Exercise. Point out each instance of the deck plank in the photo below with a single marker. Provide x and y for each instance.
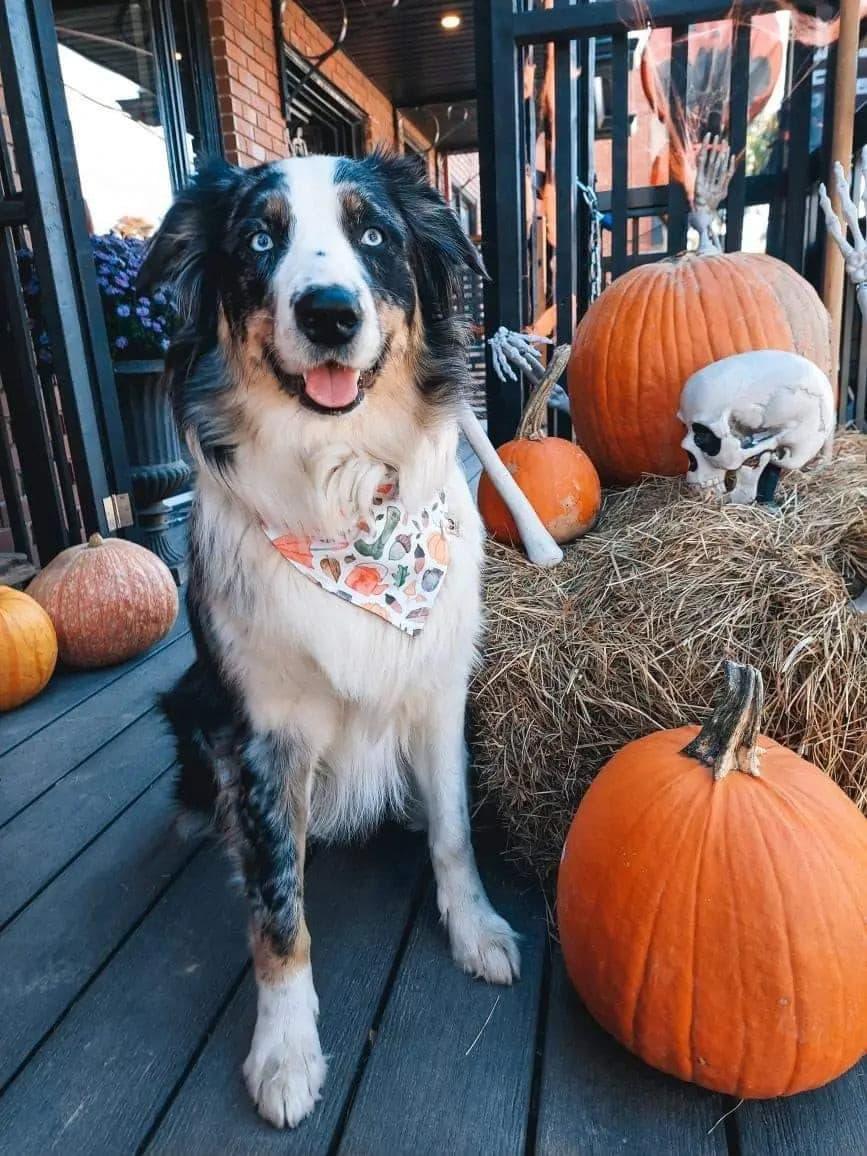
(420, 1090)
(358, 901)
(68, 932)
(35, 765)
(99, 1080)
(595, 1098)
(831, 1121)
(69, 688)
(43, 838)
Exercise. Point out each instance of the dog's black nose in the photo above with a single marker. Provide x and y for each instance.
(328, 315)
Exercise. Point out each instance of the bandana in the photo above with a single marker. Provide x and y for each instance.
(393, 564)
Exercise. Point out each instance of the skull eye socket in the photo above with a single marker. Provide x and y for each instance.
(693, 462)
(706, 440)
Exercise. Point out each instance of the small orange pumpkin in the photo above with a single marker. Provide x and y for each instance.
(109, 600)
(556, 476)
(714, 921)
(28, 648)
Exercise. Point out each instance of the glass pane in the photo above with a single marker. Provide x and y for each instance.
(109, 76)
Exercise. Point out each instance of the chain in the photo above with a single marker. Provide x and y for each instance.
(589, 195)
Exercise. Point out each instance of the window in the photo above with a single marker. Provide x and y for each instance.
(135, 77)
(321, 118)
(467, 212)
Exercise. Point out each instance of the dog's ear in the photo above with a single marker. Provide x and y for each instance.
(183, 250)
(441, 248)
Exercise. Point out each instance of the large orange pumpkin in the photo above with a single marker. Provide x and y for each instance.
(712, 904)
(108, 599)
(657, 324)
(556, 476)
(28, 648)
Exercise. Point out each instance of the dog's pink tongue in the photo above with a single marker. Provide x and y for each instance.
(332, 385)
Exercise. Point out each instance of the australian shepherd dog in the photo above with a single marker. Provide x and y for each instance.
(335, 551)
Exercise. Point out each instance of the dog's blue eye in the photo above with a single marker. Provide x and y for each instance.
(261, 242)
(371, 237)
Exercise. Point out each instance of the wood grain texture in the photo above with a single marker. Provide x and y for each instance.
(66, 934)
(40, 840)
(421, 1091)
(831, 1121)
(69, 688)
(53, 752)
(358, 901)
(99, 1080)
(595, 1098)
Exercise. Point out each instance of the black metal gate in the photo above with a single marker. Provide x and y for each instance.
(592, 44)
(65, 425)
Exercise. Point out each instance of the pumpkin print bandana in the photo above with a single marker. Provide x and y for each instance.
(393, 564)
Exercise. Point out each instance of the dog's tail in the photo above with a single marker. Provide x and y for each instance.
(197, 713)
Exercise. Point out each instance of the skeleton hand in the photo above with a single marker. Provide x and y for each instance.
(715, 167)
(509, 349)
(854, 254)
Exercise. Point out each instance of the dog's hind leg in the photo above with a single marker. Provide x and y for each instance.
(482, 942)
(200, 717)
(285, 1069)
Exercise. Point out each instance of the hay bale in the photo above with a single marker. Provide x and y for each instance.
(628, 633)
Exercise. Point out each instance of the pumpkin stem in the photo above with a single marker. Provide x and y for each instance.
(95, 540)
(535, 418)
(728, 741)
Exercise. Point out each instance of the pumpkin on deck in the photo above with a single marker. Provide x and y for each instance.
(556, 476)
(715, 921)
(28, 648)
(109, 600)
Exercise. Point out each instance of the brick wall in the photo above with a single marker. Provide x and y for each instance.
(248, 89)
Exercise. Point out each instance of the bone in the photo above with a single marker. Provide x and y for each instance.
(540, 547)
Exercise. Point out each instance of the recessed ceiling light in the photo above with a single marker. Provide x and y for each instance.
(451, 21)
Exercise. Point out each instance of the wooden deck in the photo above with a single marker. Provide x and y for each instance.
(127, 1003)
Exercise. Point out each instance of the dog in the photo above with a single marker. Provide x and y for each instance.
(335, 554)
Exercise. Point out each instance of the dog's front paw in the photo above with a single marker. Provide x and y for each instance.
(484, 944)
(285, 1081)
(285, 1069)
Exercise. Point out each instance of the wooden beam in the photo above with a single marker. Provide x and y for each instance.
(845, 78)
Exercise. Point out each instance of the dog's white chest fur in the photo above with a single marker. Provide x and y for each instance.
(309, 663)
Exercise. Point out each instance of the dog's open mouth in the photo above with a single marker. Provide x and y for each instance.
(329, 388)
(332, 387)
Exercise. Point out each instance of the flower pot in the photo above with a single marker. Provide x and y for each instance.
(160, 475)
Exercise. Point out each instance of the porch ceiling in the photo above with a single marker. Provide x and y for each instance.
(412, 59)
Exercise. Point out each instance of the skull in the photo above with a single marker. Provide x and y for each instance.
(766, 410)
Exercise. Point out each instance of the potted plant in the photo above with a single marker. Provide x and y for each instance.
(139, 330)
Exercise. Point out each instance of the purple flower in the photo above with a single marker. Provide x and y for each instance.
(144, 301)
(142, 310)
(123, 311)
(146, 323)
(121, 342)
(164, 344)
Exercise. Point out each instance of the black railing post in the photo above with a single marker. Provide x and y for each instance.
(501, 195)
(565, 176)
(619, 149)
(739, 102)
